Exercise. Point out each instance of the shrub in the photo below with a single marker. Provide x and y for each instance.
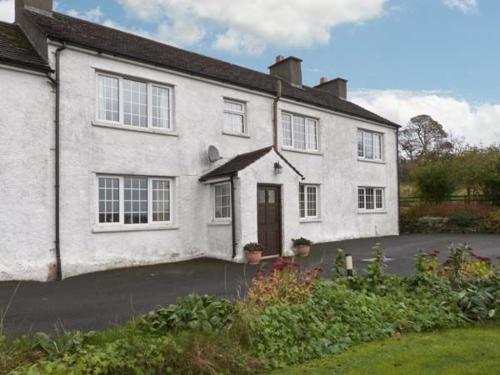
(301, 241)
(464, 219)
(434, 182)
(194, 312)
(253, 247)
(285, 283)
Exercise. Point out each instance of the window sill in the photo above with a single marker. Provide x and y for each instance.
(219, 223)
(132, 228)
(240, 135)
(135, 128)
(317, 153)
(371, 161)
(307, 221)
(371, 212)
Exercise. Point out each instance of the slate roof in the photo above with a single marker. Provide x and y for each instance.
(240, 162)
(85, 34)
(15, 49)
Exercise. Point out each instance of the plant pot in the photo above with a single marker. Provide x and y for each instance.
(253, 257)
(303, 250)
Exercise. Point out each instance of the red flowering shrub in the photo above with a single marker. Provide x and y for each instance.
(286, 283)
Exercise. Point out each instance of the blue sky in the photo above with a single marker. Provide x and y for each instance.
(401, 57)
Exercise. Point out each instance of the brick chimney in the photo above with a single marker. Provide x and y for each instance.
(337, 87)
(38, 39)
(288, 69)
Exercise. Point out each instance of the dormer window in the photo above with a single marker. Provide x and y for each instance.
(133, 102)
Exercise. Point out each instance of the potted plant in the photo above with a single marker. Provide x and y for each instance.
(302, 246)
(253, 252)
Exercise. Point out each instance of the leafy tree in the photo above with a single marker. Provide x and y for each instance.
(434, 182)
(492, 183)
(423, 137)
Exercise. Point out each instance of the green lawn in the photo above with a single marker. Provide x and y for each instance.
(463, 351)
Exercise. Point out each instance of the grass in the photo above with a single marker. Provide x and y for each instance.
(473, 350)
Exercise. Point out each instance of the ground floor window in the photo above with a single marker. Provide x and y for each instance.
(134, 200)
(309, 201)
(222, 201)
(371, 199)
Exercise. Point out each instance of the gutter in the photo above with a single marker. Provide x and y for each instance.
(275, 113)
(233, 218)
(57, 83)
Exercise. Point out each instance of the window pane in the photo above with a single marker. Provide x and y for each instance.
(312, 134)
(361, 198)
(161, 200)
(369, 198)
(287, 130)
(222, 201)
(377, 146)
(108, 98)
(135, 103)
(109, 198)
(160, 107)
(311, 201)
(271, 196)
(234, 123)
(379, 200)
(368, 142)
(135, 200)
(360, 144)
(302, 204)
(299, 132)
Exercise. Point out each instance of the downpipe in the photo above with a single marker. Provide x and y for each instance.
(57, 83)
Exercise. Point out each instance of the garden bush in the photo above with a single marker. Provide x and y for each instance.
(434, 182)
(290, 316)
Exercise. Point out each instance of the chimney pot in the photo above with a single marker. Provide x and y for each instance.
(288, 69)
(323, 80)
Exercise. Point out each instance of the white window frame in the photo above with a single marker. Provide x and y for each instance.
(375, 209)
(306, 131)
(121, 189)
(363, 133)
(306, 216)
(221, 219)
(242, 113)
(150, 86)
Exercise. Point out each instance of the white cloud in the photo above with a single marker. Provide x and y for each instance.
(93, 15)
(249, 26)
(476, 123)
(462, 5)
(7, 10)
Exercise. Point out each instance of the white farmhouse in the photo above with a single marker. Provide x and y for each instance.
(105, 161)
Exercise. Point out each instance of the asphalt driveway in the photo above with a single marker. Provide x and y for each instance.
(100, 300)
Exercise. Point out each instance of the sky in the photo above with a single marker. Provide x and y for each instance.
(402, 58)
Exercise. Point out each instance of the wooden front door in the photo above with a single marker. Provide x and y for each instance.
(269, 218)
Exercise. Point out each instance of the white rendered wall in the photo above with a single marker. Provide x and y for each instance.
(26, 176)
(88, 149)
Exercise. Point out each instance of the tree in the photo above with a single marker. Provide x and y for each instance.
(434, 182)
(423, 137)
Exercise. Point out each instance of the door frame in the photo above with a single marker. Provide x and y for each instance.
(280, 190)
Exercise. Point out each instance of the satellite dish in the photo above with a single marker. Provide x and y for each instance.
(213, 154)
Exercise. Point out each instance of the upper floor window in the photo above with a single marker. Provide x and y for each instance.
(222, 201)
(234, 117)
(370, 145)
(134, 200)
(309, 201)
(300, 132)
(133, 102)
(371, 199)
